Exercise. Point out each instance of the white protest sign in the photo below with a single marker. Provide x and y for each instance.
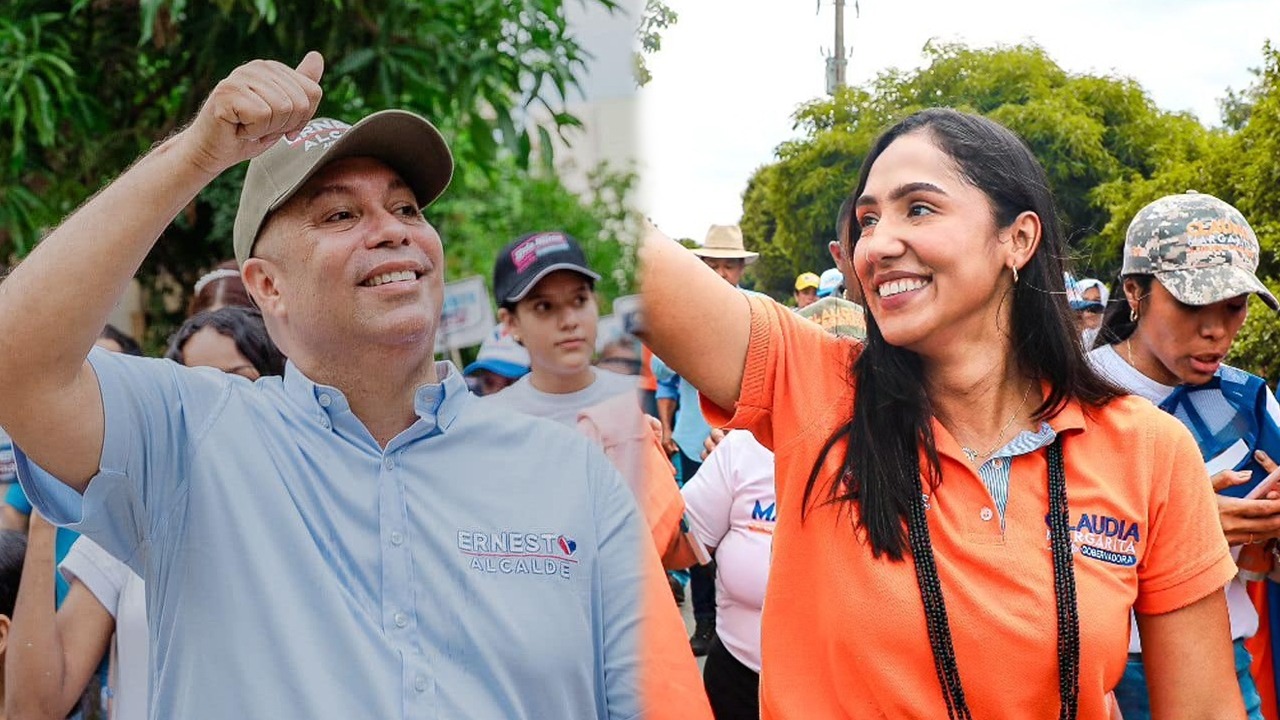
(467, 316)
(627, 310)
(623, 321)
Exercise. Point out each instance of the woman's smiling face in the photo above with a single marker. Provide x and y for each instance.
(926, 248)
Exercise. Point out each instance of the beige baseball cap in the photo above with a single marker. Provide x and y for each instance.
(406, 142)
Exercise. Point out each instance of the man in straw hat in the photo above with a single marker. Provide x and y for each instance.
(392, 520)
(724, 252)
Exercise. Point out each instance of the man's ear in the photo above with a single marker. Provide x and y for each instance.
(263, 279)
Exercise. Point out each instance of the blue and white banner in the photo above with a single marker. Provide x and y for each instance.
(467, 316)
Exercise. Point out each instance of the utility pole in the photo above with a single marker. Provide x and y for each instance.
(837, 62)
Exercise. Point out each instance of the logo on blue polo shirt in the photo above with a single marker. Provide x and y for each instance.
(510, 552)
(567, 545)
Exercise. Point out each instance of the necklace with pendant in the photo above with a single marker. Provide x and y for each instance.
(974, 455)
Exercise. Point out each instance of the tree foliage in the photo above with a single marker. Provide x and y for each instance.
(87, 86)
(657, 17)
(1087, 131)
(1107, 149)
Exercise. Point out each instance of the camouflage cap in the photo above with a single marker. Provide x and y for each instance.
(1200, 249)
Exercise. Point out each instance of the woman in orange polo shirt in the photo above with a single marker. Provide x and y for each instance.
(967, 513)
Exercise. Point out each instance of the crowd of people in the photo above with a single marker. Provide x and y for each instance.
(974, 489)
(946, 479)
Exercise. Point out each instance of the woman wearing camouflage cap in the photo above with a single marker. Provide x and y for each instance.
(1189, 269)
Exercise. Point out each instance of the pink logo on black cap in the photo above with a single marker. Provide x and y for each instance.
(319, 133)
(535, 247)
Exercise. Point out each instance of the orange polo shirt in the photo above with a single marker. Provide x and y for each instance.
(843, 633)
(647, 380)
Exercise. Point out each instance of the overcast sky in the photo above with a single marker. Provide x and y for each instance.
(731, 72)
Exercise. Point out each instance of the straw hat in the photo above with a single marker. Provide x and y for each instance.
(725, 241)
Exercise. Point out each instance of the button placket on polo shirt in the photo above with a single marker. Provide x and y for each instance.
(399, 615)
(325, 401)
(963, 497)
(976, 513)
(1005, 461)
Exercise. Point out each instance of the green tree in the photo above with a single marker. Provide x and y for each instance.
(87, 86)
(657, 16)
(1087, 131)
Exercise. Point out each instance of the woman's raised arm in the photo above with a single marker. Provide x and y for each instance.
(696, 322)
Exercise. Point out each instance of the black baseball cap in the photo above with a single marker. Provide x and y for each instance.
(529, 258)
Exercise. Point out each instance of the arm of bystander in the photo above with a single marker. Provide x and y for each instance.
(51, 654)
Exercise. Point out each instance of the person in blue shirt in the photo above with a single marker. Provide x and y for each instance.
(15, 514)
(104, 616)
(360, 537)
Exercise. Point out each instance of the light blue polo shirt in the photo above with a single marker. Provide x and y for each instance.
(691, 428)
(484, 565)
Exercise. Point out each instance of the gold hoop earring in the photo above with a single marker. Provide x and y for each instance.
(1133, 314)
(1014, 268)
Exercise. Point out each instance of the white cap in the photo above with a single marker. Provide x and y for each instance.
(829, 281)
(501, 354)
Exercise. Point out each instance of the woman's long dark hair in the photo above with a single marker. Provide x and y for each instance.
(1118, 322)
(245, 328)
(127, 344)
(881, 475)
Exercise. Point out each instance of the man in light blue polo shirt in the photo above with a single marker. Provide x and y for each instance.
(403, 552)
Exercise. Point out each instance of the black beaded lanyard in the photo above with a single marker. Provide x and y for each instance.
(1064, 587)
